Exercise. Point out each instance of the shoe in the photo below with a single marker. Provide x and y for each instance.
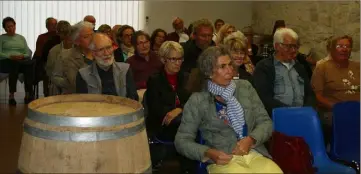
(12, 102)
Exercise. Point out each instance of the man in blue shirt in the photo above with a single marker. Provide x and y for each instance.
(280, 80)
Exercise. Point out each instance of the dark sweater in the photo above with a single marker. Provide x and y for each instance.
(49, 44)
(264, 77)
(118, 55)
(191, 54)
(243, 74)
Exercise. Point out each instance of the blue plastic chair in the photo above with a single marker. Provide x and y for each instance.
(304, 122)
(345, 143)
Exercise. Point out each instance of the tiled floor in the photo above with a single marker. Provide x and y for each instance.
(19, 95)
(11, 119)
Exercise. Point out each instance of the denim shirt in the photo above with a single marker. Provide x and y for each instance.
(288, 85)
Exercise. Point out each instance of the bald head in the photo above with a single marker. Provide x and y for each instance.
(90, 19)
(99, 40)
(102, 50)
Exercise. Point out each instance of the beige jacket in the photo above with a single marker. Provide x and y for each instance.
(72, 61)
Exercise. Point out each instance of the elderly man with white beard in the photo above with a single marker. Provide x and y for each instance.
(104, 75)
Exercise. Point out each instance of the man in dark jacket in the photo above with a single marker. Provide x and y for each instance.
(280, 80)
(202, 32)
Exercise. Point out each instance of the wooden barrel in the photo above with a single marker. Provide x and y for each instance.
(84, 133)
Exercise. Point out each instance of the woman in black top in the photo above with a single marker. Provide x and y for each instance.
(237, 43)
(165, 98)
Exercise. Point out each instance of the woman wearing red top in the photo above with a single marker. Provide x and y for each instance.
(165, 98)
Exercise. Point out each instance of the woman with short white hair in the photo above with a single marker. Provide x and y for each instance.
(79, 56)
(165, 98)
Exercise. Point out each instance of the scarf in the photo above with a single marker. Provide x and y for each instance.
(235, 111)
(127, 50)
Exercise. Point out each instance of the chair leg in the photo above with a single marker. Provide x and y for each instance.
(6, 89)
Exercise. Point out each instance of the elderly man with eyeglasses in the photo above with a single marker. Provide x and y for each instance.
(280, 80)
(104, 75)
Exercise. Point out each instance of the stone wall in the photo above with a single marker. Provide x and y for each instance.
(314, 21)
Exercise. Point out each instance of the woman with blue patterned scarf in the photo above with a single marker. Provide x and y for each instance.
(231, 119)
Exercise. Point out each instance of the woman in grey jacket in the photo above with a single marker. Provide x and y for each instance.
(231, 119)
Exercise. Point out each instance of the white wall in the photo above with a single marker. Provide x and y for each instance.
(161, 13)
(30, 16)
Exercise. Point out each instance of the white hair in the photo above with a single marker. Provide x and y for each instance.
(280, 34)
(78, 27)
(167, 47)
(92, 44)
(235, 35)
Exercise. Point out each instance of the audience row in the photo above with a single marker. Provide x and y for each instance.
(196, 80)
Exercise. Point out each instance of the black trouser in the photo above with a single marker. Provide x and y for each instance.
(14, 67)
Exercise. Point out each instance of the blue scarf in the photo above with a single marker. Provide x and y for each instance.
(235, 111)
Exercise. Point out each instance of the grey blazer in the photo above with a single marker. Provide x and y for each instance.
(199, 114)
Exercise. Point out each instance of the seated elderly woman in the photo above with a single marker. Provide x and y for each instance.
(237, 44)
(77, 57)
(54, 63)
(157, 39)
(167, 89)
(104, 76)
(15, 56)
(337, 79)
(231, 118)
(126, 48)
(166, 96)
(144, 62)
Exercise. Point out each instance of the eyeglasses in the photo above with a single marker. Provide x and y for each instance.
(290, 46)
(343, 46)
(174, 59)
(102, 50)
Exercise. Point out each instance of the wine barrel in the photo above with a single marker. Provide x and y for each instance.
(84, 133)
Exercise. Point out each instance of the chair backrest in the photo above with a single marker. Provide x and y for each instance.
(302, 122)
(346, 126)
